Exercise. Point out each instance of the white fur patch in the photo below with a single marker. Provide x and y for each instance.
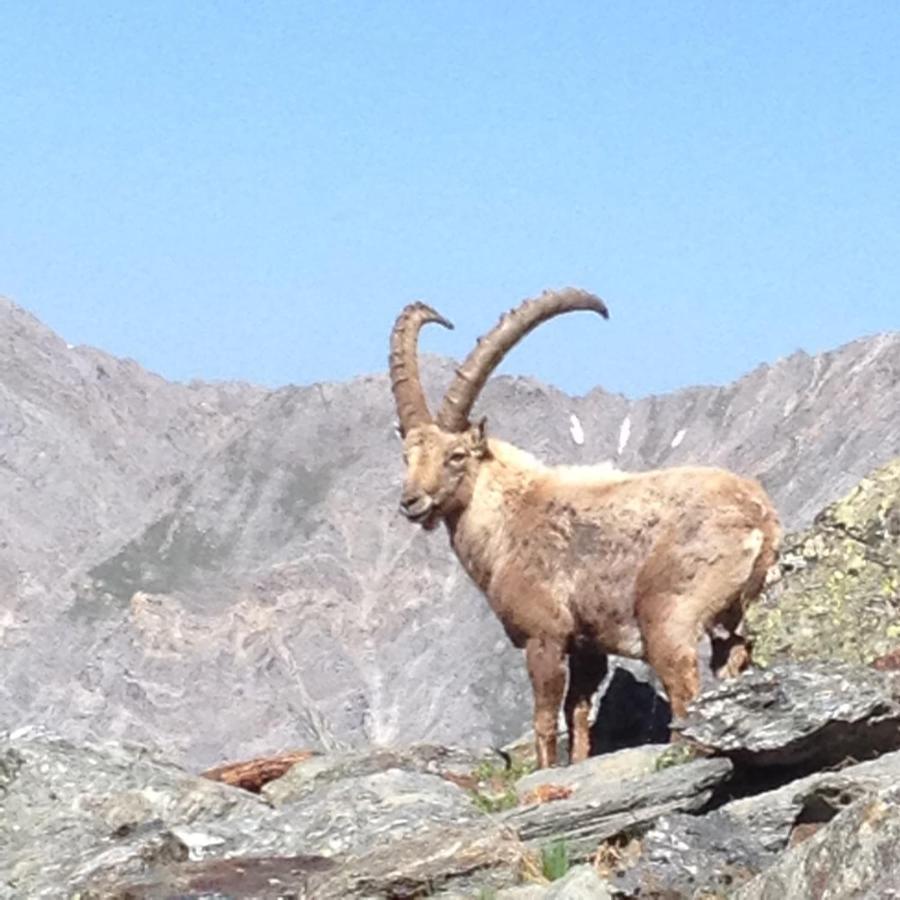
(599, 473)
(753, 542)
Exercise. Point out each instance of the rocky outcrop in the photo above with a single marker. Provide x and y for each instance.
(601, 807)
(714, 853)
(676, 821)
(854, 856)
(840, 594)
(813, 715)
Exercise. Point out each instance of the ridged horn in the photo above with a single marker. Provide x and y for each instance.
(412, 408)
(490, 349)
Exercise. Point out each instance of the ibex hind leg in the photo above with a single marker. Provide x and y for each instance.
(587, 668)
(670, 642)
(731, 650)
(672, 618)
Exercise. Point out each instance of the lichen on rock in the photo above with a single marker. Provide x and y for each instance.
(839, 597)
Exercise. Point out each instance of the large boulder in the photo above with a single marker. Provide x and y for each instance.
(812, 714)
(98, 817)
(711, 854)
(840, 594)
(855, 855)
(601, 807)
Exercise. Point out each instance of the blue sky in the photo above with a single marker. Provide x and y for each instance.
(253, 190)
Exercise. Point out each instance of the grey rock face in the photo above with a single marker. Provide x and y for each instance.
(814, 714)
(693, 856)
(100, 818)
(73, 814)
(92, 447)
(610, 767)
(855, 855)
(581, 883)
(773, 815)
(713, 854)
(361, 813)
(309, 777)
(600, 807)
(218, 570)
(114, 820)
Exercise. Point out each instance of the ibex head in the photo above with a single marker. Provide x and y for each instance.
(443, 455)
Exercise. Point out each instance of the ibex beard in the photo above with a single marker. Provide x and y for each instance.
(579, 562)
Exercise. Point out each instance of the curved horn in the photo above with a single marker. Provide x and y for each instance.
(412, 409)
(490, 349)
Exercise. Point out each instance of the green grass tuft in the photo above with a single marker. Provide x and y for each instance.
(555, 860)
(496, 784)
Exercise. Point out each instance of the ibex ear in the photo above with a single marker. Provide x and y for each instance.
(479, 437)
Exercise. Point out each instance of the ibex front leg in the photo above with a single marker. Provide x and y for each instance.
(547, 670)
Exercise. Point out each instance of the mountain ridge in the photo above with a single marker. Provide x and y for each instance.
(219, 569)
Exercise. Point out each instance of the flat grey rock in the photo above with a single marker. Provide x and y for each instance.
(358, 813)
(312, 775)
(599, 809)
(814, 713)
(580, 883)
(76, 813)
(629, 763)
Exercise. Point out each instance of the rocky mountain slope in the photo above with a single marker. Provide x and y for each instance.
(786, 787)
(784, 783)
(218, 570)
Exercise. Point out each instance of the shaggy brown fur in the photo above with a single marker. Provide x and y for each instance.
(580, 562)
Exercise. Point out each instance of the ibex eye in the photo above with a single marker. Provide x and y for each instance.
(458, 456)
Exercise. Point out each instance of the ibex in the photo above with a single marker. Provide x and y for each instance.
(580, 561)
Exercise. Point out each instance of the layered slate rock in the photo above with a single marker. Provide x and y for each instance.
(359, 813)
(714, 853)
(840, 597)
(115, 820)
(598, 770)
(814, 714)
(73, 813)
(453, 764)
(786, 814)
(451, 859)
(598, 809)
(686, 856)
(855, 855)
(99, 816)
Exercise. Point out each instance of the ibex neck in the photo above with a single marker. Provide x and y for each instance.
(480, 533)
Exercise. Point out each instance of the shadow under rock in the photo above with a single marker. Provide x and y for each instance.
(631, 713)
